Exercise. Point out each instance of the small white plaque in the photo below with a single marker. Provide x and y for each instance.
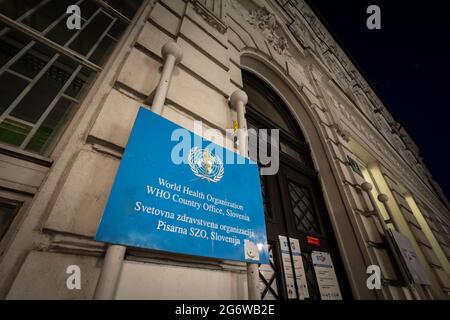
(326, 276)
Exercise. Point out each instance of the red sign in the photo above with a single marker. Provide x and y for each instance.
(313, 241)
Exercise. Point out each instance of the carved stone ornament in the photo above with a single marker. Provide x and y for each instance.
(302, 34)
(364, 103)
(210, 15)
(267, 24)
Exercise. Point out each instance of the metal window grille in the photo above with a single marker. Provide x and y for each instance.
(268, 278)
(45, 68)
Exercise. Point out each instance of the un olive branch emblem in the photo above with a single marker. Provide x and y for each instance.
(204, 165)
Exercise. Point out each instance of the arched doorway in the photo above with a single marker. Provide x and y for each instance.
(293, 204)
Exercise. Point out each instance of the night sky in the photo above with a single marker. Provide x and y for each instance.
(407, 62)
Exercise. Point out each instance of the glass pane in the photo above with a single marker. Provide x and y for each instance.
(88, 8)
(261, 102)
(13, 132)
(284, 147)
(117, 29)
(303, 209)
(7, 212)
(10, 44)
(54, 121)
(265, 197)
(61, 34)
(90, 34)
(45, 101)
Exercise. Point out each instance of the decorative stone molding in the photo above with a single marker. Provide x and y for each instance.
(364, 103)
(383, 126)
(410, 157)
(266, 22)
(211, 12)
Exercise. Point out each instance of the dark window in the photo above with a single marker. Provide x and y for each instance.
(310, 274)
(8, 210)
(265, 197)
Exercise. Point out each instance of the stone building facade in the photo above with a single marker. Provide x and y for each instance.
(57, 167)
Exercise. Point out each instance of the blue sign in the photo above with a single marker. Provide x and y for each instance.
(184, 200)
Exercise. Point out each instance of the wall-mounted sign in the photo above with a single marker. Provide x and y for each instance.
(204, 206)
(299, 278)
(313, 241)
(410, 259)
(326, 276)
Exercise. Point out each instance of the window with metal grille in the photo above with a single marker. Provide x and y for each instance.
(45, 68)
(8, 210)
(303, 208)
(268, 278)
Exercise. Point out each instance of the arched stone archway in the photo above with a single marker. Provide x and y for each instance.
(302, 110)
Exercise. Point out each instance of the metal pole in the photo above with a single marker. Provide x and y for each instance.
(238, 100)
(109, 277)
(172, 55)
(115, 254)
